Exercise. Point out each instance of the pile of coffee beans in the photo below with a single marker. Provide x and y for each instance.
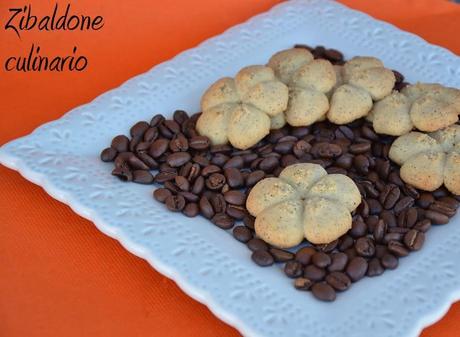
(198, 178)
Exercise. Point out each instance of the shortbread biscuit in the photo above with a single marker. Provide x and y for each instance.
(429, 160)
(242, 110)
(303, 202)
(424, 106)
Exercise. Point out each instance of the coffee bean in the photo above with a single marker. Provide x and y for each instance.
(257, 244)
(182, 183)
(443, 208)
(248, 158)
(440, 192)
(108, 154)
(139, 129)
(269, 164)
(338, 262)
(161, 194)
(206, 208)
(190, 197)
(380, 250)
(302, 283)
(215, 181)
(179, 143)
(397, 248)
(172, 187)
(314, 273)
(411, 191)
(423, 225)
(389, 218)
(425, 200)
(451, 202)
(358, 228)
(323, 292)
(436, 217)
(414, 239)
(142, 177)
(304, 255)
(394, 178)
(120, 143)
(123, 173)
(361, 163)
(374, 206)
(235, 197)
(328, 247)
(157, 120)
(389, 196)
(191, 210)
(254, 177)
(262, 258)
(360, 148)
(321, 260)
(219, 159)
(223, 221)
(380, 230)
(301, 148)
(242, 233)
(236, 212)
(175, 203)
(218, 203)
(403, 204)
(339, 281)
(248, 221)
(158, 147)
(370, 190)
(345, 242)
(293, 269)
(357, 268)
(210, 169)
(389, 261)
(280, 255)
(180, 116)
(326, 150)
(178, 159)
(365, 247)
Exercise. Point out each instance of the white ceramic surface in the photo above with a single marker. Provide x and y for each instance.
(209, 265)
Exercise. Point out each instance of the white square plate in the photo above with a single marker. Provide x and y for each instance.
(63, 157)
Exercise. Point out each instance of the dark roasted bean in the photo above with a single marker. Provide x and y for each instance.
(358, 228)
(182, 183)
(269, 164)
(339, 281)
(235, 197)
(302, 283)
(323, 292)
(158, 147)
(380, 230)
(210, 169)
(389, 261)
(215, 181)
(206, 208)
(108, 154)
(280, 255)
(304, 255)
(191, 210)
(397, 248)
(199, 143)
(314, 273)
(237, 212)
(137, 164)
(120, 143)
(436, 217)
(360, 148)
(175, 203)
(345, 242)
(242, 233)
(248, 221)
(198, 185)
(262, 258)
(223, 221)
(189, 196)
(234, 177)
(162, 177)
(375, 268)
(235, 162)
(389, 196)
(301, 148)
(443, 208)
(218, 203)
(321, 259)
(357, 268)
(326, 150)
(338, 262)
(179, 143)
(403, 204)
(414, 239)
(219, 159)
(423, 225)
(161, 194)
(380, 250)
(293, 269)
(180, 116)
(365, 247)
(157, 120)
(257, 244)
(142, 177)
(361, 163)
(139, 129)
(389, 218)
(254, 177)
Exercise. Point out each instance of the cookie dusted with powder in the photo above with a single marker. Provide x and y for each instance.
(242, 110)
(303, 202)
(364, 80)
(429, 160)
(427, 107)
(308, 81)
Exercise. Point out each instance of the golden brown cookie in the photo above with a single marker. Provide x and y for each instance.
(303, 202)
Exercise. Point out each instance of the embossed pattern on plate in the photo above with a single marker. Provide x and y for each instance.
(205, 261)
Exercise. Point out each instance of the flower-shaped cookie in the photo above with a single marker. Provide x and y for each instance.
(360, 81)
(425, 106)
(308, 80)
(304, 201)
(429, 160)
(243, 109)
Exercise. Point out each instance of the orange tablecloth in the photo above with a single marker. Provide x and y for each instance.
(59, 276)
